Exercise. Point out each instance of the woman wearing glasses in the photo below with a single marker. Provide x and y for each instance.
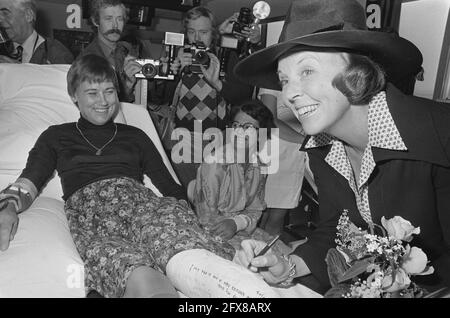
(228, 194)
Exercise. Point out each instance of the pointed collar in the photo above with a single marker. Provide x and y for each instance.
(383, 132)
(423, 125)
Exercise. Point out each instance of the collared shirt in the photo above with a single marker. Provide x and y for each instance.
(29, 46)
(383, 133)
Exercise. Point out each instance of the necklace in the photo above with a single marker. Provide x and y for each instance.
(99, 150)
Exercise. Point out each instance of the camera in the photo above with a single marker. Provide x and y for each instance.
(154, 69)
(248, 18)
(236, 40)
(199, 57)
(245, 19)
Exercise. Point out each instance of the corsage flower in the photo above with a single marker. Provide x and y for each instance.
(366, 264)
(399, 228)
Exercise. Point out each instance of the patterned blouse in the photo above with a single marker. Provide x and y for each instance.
(383, 133)
(230, 191)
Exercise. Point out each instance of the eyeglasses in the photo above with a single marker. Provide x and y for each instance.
(244, 126)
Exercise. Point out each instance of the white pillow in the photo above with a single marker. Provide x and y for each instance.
(42, 260)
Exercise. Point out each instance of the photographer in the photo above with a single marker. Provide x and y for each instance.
(252, 34)
(213, 93)
(234, 90)
(109, 18)
(199, 94)
(201, 35)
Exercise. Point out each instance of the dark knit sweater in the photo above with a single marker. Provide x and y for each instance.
(130, 154)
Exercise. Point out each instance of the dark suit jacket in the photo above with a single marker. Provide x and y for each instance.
(234, 91)
(414, 184)
(52, 52)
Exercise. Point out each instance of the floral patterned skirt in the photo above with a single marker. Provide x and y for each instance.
(119, 225)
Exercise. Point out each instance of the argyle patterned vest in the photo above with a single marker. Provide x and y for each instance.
(198, 100)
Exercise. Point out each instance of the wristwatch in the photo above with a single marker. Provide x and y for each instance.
(15, 194)
(292, 271)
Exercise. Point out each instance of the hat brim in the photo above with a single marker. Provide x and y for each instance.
(398, 57)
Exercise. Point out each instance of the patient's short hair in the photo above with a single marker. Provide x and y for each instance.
(90, 68)
(361, 80)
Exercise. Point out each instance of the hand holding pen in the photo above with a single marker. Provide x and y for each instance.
(269, 264)
(266, 248)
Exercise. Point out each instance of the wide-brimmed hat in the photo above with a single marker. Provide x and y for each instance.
(326, 25)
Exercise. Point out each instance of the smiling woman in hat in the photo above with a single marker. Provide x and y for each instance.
(373, 150)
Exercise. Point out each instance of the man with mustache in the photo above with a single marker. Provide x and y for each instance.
(110, 17)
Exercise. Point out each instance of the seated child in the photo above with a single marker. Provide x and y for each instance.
(229, 196)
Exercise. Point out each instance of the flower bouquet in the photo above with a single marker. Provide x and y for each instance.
(367, 265)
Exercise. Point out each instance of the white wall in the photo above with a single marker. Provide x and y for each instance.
(273, 32)
(423, 22)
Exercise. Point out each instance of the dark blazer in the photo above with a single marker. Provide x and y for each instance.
(414, 184)
(51, 51)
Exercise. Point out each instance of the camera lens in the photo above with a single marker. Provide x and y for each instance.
(149, 70)
(202, 57)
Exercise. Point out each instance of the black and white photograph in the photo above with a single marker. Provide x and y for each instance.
(241, 152)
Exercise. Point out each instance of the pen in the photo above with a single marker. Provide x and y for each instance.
(266, 248)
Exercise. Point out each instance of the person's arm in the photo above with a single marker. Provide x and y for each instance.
(233, 90)
(253, 36)
(314, 251)
(14, 199)
(275, 268)
(212, 72)
(156, 170)
(9, 221)
(248, 219)
(19, 196)
(21, 193)
(41, 162)
(310, 256)
(130, 69)
(207, 191)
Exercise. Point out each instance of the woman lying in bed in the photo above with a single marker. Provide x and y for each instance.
(124, 233)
